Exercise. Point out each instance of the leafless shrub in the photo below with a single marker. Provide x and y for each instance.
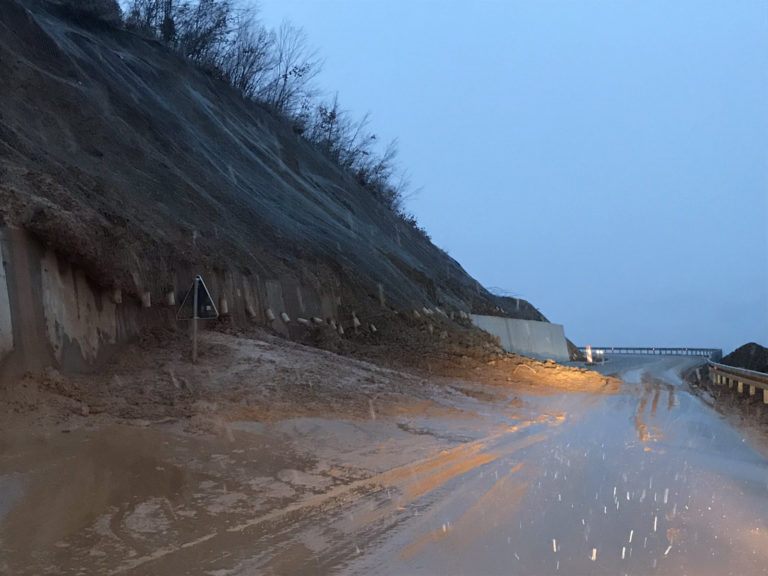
(277, 68)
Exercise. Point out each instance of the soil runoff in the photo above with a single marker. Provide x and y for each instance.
(274, 458)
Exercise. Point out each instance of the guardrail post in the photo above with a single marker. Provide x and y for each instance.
(739, 378)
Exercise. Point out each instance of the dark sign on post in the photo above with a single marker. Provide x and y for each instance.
(197, 305)
(197, 299)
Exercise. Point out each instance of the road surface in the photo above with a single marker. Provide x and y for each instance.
(647, 480)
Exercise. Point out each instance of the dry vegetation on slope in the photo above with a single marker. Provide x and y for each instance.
(131, 162)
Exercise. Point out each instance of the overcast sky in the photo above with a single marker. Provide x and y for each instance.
(607, 161)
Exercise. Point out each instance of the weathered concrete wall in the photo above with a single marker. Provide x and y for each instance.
(526, 337)
(75, 314)
(52, 315)
(6, 327)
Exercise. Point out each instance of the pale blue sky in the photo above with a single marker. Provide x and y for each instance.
(607, 161)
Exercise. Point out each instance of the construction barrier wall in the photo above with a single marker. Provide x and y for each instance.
(540, 340)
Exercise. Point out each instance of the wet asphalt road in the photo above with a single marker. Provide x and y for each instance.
(648, 481)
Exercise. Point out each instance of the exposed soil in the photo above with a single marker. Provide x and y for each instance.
(371, 470)
(259, 377)
(751, 356)
(745, 411)
(136, 166)
(130, 468)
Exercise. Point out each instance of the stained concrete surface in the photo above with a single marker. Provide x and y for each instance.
(530, 338)
(6, 328)
(649, 480)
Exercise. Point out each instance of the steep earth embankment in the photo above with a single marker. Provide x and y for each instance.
(123, 161)
(130, 161)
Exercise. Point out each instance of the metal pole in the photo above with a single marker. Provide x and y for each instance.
(194, 322)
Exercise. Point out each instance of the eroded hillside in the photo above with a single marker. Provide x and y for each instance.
(135, 165)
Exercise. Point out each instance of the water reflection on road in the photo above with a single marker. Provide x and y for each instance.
(651, 480)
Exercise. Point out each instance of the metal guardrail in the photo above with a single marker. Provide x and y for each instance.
(711, 353)
(739, 377)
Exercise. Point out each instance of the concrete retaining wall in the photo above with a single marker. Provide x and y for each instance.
(52, 315)
(6, 327)
(540, 340)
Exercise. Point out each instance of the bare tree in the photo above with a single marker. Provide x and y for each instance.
(105, 10)
(247, 59)
(328, 126)
(202, 29)
(144, 15)
(290, 81)
(277, 68)
(346, 141)
(167, 24)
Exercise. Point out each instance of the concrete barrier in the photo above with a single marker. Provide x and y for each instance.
(541, 340)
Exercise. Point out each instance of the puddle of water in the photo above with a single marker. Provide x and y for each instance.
(91, 500)
(63, 484)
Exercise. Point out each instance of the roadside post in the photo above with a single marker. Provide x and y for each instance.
(197, 305)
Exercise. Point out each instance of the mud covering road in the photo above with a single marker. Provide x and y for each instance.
(646, 479)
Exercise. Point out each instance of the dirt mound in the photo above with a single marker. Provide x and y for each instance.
(751, 356)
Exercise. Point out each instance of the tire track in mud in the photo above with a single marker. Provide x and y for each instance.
(386, 496)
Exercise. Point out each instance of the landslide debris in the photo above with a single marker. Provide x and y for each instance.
(256, 376)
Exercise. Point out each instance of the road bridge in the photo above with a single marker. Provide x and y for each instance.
(713, 354)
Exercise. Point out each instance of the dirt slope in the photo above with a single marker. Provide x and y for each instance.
(133, 164)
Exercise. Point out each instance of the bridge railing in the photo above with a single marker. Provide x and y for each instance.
(713, 354)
